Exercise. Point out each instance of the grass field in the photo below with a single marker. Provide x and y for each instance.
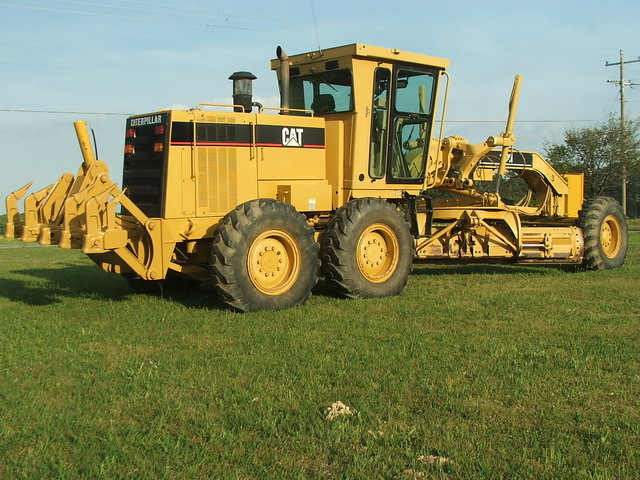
(483, 372)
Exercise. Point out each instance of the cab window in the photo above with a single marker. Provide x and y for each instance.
(322, 92)
(414, 92)
(379, 123)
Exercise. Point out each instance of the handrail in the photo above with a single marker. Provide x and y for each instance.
(444, 106)
(260, 108)
(281, 109)
(225, 105)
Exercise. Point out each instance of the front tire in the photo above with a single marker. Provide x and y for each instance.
(264, 257)
(605, 232)
(368, 250)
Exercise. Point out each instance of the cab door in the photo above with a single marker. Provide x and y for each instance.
(402, 122)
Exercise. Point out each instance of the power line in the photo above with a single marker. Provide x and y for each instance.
(296, 23)
(127, 68)
(63, 112)
(519, 121)
(187, 7)
(144, 19)
(148, 10)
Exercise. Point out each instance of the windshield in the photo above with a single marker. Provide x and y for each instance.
(323, 92)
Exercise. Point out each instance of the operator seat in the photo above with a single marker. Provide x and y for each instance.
(324, 103)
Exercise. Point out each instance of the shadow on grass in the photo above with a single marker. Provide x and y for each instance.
(27, 292)
(50, 285)
(488, 269)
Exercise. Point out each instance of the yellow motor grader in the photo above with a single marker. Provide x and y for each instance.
(351, 178)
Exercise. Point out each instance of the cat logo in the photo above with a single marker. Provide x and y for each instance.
(143, 121)
(292, 137)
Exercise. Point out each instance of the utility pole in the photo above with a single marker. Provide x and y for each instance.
(623, 121)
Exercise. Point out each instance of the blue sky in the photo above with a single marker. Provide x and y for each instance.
(108, 58)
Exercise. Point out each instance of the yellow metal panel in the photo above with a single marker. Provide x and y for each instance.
(287, 163)
(217, 169)
(575, 197)
(561, 243)
(357, 162)
(188, 180)
(369, 52)
(115, 239)
(305, 195)
(217, 117)
(181, 115)
(311, 198)
(335, 159)
(180, 183)
(280, 162)
(224, 176)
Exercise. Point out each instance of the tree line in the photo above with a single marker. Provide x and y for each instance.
(605, 153)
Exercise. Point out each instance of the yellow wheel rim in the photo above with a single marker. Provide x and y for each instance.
(274, 262)
(610, 236)
(377, 253)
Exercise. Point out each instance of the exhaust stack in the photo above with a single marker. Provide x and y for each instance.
(284, 79)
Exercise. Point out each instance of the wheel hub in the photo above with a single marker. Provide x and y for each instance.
(377, 253)
(273, 262)
(374, 250)
(610, 236)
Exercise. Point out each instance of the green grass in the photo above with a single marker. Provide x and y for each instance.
(495, 371)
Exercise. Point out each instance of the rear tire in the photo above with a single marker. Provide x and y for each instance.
(605, 232)
(367, 250)
(264, 257)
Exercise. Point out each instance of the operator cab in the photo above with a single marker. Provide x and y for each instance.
(385, 102)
